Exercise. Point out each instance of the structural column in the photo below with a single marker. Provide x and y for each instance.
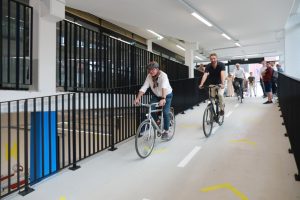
(189, 57)
(149, 45)
(46, 13)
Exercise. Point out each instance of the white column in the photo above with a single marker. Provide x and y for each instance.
(189, 57)
(292, 48)
(46, 13)
(149, 45)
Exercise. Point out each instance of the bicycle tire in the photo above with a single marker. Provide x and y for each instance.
(207, 123)
(145, 139)
(172, 125)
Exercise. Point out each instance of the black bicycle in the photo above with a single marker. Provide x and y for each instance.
(212, 111)
(238, 90)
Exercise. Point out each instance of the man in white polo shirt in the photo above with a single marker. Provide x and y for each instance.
(239, 76)
(159, 83)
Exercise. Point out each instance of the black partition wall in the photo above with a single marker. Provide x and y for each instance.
(16, 45)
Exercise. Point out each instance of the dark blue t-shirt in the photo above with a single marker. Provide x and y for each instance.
(214, 76)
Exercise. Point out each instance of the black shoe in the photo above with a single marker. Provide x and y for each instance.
(221, 112)
(268, 102)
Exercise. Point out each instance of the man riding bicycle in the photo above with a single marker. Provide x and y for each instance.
(239, 77)
(215, 72)
(159, 83)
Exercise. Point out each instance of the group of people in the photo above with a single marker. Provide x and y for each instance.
(214, 74)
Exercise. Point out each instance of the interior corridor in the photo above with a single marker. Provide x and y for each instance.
(246, 158)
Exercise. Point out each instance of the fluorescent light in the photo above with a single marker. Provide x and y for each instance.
(237, 44)
(159, 37)
(252, 55)
(226, 36)
(119, 39)
(241, 56)
(200, 18)
(73, 22)
(198, 58)
(180, 47)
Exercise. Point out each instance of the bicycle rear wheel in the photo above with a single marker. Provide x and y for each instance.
(208, 121)
(145, 139)
(172, 125)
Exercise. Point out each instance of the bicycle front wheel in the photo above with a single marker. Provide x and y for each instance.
(207, 121)
(172, 125)
(145, 139)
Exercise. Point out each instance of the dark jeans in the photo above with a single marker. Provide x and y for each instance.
(262, 86)
(166, 109)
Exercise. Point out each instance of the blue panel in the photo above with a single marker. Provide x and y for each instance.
(45, 145)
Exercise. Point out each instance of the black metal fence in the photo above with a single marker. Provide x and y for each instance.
(15, 45)
(289, 98)
(89, 59)
(40, 136)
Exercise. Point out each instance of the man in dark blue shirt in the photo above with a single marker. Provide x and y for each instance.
(215, 73)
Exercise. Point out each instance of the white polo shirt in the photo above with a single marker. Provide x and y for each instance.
(163, 82)
(239, 73)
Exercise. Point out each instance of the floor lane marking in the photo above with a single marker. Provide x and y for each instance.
(214, 130)
(62, 198)
(228, 186)
(228, 114)
(244, 141)
(236, 105)
(161, 150)
(189, 157)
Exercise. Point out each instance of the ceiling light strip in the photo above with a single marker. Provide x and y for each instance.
(180, 47)
(159, 37)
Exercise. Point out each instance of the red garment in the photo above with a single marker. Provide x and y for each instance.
(268, 74)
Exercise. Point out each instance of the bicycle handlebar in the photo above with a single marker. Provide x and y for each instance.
(149, 105)
(211, 86)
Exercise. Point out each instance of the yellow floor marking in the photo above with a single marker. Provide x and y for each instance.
(162, 150)
(13, 151)
(62, 198)
(226, 186)
(244, 141)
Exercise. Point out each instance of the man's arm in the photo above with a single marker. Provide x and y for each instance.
(222, 79)
(203, 79)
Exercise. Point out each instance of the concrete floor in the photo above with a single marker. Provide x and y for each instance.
(246, 158)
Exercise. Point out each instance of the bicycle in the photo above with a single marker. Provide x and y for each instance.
(149, 129)
(212, 111)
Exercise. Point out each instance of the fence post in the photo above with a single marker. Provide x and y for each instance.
(112, 131)
(74, 166)
(27, 189)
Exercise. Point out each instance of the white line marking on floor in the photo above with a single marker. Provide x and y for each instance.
(228, 114)
(214, 130)
(146, 199)
(188, 158)
(236, 105)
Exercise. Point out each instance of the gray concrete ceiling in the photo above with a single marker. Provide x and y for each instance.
(258, 25)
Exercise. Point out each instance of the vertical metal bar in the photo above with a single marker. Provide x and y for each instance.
(111, 109)
(49, 134)
(84, 58)
(8, 42)
(93, 60)
(69, 130)
(66, 56)
(63, 130)
(70, 83)
(56, 135)
(74, 166)
(31, 38)
(35, 137)
(59, 53)
(18, 46)
(80, 59)
(43, 133)
(88, 58)
(75, 59)
(18, 144)
(84, 125)
(102, 131)
(0, 133)
(79, 123)
(9, 146)
(94, 132)
(24, 45)
(89, 122)
(105, 117)
(26, 160)
(1, 62)
(98, 125)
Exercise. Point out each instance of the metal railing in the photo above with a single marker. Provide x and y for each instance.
(15, 45)
(40, 136)
(89, 59)
(289, 98)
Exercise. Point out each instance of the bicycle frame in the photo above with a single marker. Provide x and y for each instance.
(214, 100)
(149, 116)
